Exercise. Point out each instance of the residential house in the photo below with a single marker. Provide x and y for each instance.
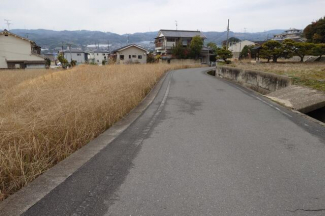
(79, 56)
(130, 54)
(293, 34)
(237, 47)
(17, 52)
(167, 39)
(98, 56)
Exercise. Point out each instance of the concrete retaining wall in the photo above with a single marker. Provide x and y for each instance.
(258, 81)
(181, 61)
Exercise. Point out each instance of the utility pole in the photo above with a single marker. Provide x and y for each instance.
(244, 33)
(70, 51)
(176, 24)
(227, 35)
(8, 24)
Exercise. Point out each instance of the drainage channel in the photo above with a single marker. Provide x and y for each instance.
(318, 114)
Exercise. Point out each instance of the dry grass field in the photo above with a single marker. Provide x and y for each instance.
(45, 116)
(307, 74)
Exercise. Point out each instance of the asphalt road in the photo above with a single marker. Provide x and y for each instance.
(203, 147)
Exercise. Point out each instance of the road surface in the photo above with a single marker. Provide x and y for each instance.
(205, 146)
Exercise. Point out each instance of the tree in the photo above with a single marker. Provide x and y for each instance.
(73, 63)
(213, 46)
(196, 46)
(151, 58)
(246, 51)
(315, 32)
(178, 50)
(271, 49)
(47, 62)
(231, 40)
(318, 50)
(302, 49)
(63, 61)
(224, 54)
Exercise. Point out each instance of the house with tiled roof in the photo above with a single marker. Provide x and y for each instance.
(17, 52)
(167, 39)
(293, 34)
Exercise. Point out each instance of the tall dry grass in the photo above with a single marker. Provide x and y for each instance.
(45, 116)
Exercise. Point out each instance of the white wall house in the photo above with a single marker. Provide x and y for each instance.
(18, 52)
(131, 54)
(98, 56)
(237, 47)
(293, 34)
(77, 55)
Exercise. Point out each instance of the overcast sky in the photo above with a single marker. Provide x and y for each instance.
(130, 16)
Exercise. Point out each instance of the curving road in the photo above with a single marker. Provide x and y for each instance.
(203, 147)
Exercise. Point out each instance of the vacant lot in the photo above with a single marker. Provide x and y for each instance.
(45, 116)
(306, 74)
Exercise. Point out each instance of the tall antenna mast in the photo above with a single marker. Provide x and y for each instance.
(227, 35)
(176, 24)
(8, 24)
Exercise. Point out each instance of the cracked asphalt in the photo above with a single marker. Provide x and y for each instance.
(205, 146)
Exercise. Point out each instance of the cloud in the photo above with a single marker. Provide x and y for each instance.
(129, 16)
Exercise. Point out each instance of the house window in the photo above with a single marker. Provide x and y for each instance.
(97, 53)
(134, 56)
(122, 57)
(97, 60)
(139, 56)
(129, 56)
(78, 54)
(104, 54)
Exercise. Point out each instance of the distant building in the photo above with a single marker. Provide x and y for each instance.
(293, 34)
(130, 54)
(166, 39)
(236, 48)
(17, 52)
(98, 56)
(79, 56)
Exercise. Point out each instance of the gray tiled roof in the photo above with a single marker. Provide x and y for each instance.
(127, 46)
(180, 33)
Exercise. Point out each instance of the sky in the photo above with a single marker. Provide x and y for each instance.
(130, 16)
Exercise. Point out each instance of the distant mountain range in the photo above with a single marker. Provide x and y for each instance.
(50, 39)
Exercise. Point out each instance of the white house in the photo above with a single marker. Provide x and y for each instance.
(293, 34)
(130, 54)
(77, 55)
(19, 52)
(98, 56)
(237, 47)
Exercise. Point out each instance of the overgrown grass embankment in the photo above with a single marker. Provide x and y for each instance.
(305, 74)
(45, 116)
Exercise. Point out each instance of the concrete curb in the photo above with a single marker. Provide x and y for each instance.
(25, 198)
